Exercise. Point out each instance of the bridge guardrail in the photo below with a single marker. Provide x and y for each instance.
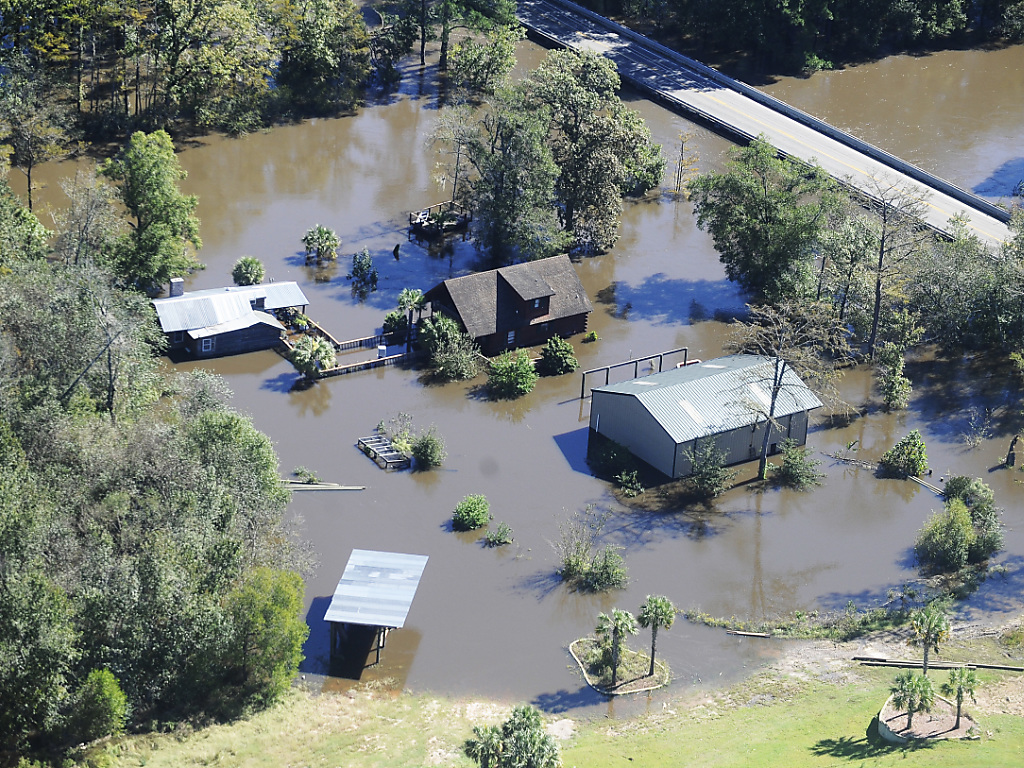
(919, 174)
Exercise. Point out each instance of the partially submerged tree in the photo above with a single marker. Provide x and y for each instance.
(511, 375)
(656, 612)
(313, 354)
(321, 244)
(805, 339)
(248, 270)
(613, 630)
(452, 353)
(764, 215)
(163, 221)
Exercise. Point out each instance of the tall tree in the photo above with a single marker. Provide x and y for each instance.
(807, 339)
(32, 122)
(913, 693)
(89, 227)
(931, 627)
(764, 215)
(899, 236)
(325, 53)
(614, 629)
(963, 683)
(510, 179)
(657, 611)
(602, 149)
(164, 225)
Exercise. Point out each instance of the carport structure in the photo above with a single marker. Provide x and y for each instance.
(376, 590)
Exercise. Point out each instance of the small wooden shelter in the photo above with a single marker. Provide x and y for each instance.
(376, 591)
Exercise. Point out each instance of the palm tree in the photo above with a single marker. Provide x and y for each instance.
(657, 611)
(613, 629)
(962, 682)
(912, 693)
(931, 627)
(408, 300)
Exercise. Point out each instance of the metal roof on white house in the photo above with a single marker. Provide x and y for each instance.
(214, 306)
(247, 320)
(376, 589)
(716, 396)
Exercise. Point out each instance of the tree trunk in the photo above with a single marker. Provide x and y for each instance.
(924, 664)
(654, 646)
(780, 370)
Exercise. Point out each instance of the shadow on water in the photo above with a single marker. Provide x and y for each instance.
(316, 651)
(1004, 181)
(665, 300)
(573, 446)
(568, 701)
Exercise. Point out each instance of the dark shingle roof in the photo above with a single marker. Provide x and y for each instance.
(484, 305)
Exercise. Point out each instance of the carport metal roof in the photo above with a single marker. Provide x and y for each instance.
(376, 589)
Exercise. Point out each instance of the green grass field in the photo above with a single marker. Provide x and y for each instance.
(771, 719)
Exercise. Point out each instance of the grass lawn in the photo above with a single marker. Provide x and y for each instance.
(772, 719)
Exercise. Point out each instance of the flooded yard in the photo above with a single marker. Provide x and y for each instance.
(497, 622)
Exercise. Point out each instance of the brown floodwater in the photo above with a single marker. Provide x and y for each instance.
(497, 622)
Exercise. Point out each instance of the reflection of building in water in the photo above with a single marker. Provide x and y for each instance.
(373, 597)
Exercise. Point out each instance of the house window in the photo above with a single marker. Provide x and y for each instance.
(208, 344)
(511, 338)
(178, 337)
(536, 303)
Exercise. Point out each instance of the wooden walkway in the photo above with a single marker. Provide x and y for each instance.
(379, 448)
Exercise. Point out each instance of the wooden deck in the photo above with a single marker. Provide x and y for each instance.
(438, 220)
(379, 448)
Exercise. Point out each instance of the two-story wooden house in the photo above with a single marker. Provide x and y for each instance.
(518, 306)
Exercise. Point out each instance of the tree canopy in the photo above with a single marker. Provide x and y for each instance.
(164, 226)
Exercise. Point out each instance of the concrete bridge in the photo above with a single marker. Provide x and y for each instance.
(743, 112)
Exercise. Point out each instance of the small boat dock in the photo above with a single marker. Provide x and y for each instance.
(439, 220)
(379, 448)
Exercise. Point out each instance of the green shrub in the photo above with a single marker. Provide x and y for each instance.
(519, 742)
(499, 536)
(100, 708)
(396, 322)
(304, 475)
(471, 513)
(511, 375)
(629, 483)
(709, 478)
(798, 470)
(907, 458)
(980, 501)
(248, 270)
(311, 355)
(364, 274)
(557, 357)
(607, 571)
(453, 355)
(946, 539)
(428, 450)
(591, 337)
(580, 568)
(893, 385)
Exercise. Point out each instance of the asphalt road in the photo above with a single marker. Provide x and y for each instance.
(709, 96)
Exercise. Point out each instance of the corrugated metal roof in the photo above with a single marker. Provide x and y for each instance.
(213, 306)
(716, 396)
(376, 589)
(245, 321)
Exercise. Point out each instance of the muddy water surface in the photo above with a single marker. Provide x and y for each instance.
(497, 622)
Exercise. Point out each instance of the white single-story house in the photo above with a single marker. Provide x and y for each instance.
(660, 418)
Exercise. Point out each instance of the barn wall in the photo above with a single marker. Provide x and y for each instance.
(624, 420)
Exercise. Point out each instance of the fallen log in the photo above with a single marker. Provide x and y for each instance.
(746, 634)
